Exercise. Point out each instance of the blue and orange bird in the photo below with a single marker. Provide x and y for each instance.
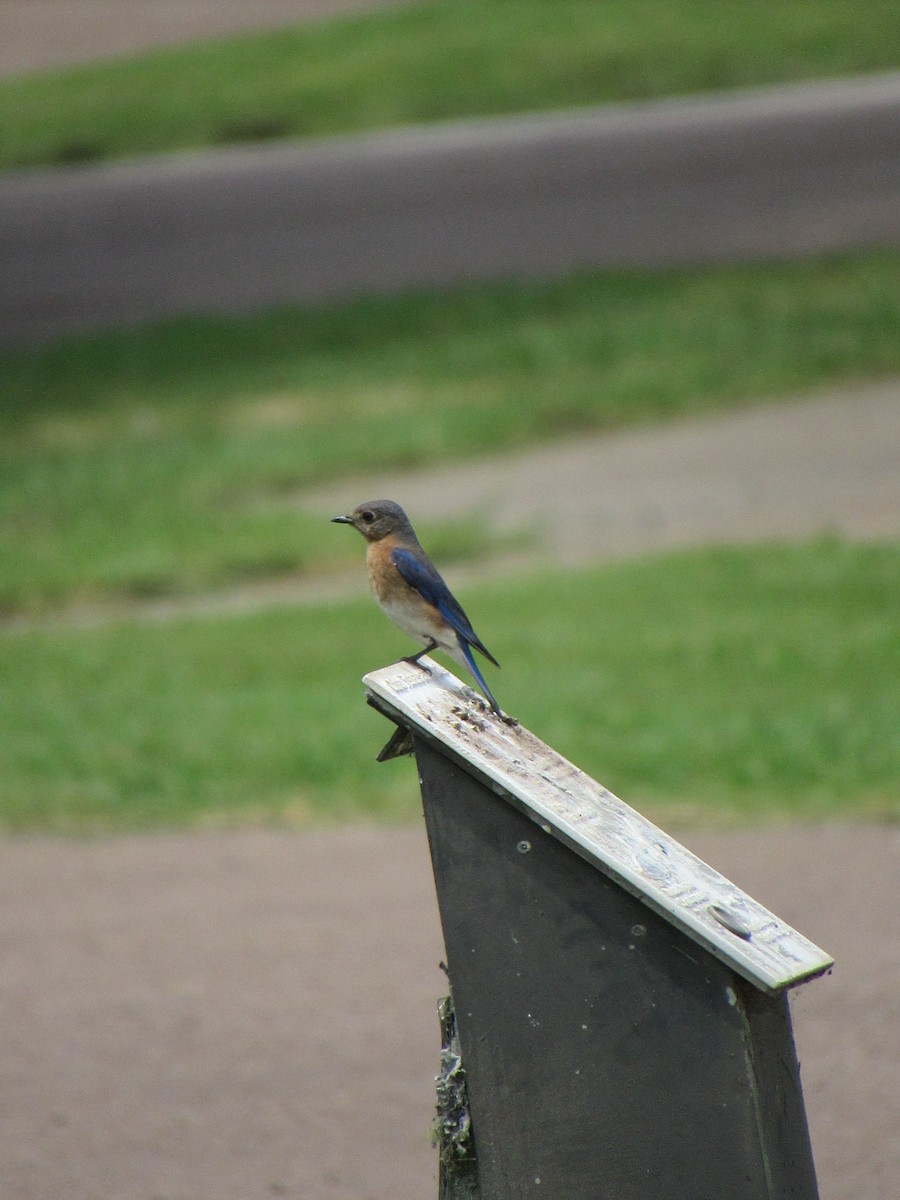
(410, 590)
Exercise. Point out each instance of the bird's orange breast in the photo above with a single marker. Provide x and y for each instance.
(387, 582)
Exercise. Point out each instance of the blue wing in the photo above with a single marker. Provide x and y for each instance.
(420, 574)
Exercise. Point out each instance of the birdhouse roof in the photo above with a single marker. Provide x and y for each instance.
(597, 825)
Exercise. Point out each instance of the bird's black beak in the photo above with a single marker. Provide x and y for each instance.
(342, 520)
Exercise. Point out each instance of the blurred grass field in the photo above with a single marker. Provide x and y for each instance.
(168, 461)
(720, 685)
(430, 62)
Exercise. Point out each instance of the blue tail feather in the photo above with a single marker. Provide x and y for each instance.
(473, 667)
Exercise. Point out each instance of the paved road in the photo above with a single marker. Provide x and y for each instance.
(770, 173)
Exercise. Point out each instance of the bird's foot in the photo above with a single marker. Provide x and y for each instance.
(413, 659)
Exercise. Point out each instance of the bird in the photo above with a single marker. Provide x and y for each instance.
(411, 592)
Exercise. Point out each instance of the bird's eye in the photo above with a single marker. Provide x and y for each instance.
(368, 517)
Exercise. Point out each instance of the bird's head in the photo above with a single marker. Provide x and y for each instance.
(377, 519)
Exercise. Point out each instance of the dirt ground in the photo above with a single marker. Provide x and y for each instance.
(825, 463)
(238, 1016)
(38, 34)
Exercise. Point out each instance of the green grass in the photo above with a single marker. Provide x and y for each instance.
(430, 62)
(168, 460)
(724, 685)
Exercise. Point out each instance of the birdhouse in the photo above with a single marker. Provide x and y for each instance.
(621, 1018)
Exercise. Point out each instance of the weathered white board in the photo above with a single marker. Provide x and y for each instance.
(598, 826)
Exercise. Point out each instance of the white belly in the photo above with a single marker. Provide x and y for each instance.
(419, 623)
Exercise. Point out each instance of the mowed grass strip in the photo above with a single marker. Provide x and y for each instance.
(167, 461)
(724, 685)
(430, 62)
